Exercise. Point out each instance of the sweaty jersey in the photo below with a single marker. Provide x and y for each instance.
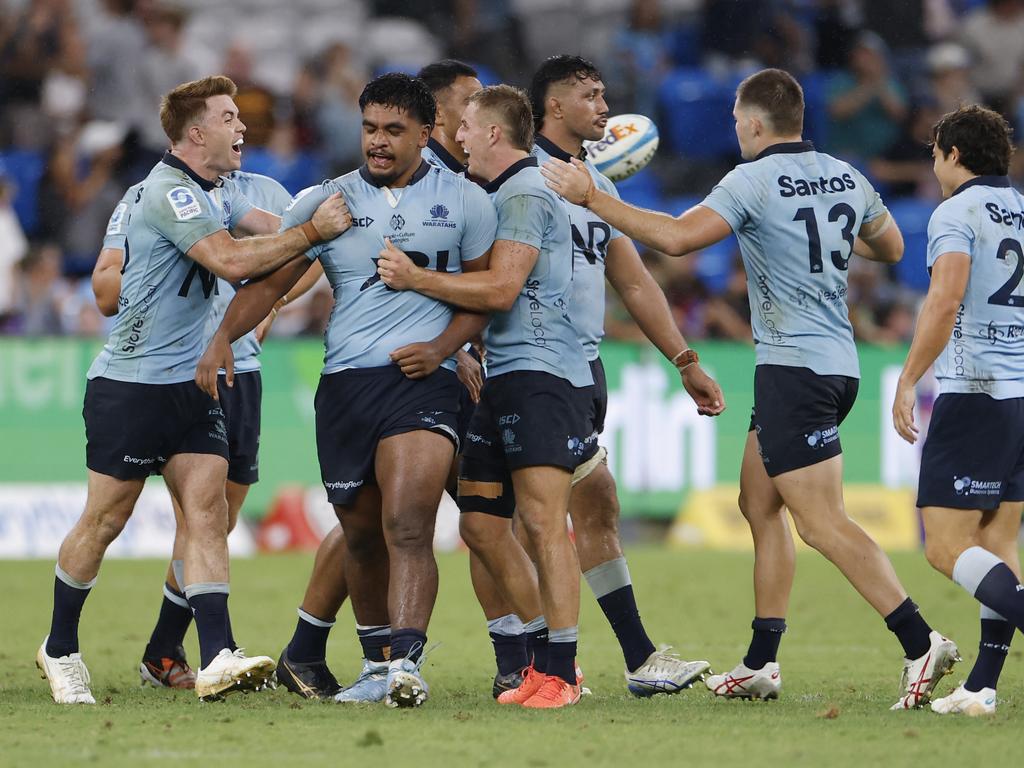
(796, 213)
(165, 298)
(591, 237)
(268, 194)
(440, 220)
(536, 334)
(984, 218)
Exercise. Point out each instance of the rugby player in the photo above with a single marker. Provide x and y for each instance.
(142, 411)
(529, 429)
(387, 404)
(799, 215)
(567, 95)
(971, 487)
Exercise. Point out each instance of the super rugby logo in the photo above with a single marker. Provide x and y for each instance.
(184, 204)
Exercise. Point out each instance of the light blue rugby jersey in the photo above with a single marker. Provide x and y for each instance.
(440, 220)
(984, 218)
(536, 334)
(435, 154)
(165, 298)
(796, 212)
(268, 194)
(591, 237)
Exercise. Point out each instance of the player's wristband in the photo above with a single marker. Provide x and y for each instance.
(311, 233)
(685, 359)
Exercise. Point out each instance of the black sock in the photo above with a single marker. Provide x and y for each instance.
(996, 635)
(309, 643)
(910, 628)
(67, 610)
(1001, 591)
(764, 644)
(562, 654)
(509, 652)
(210, 610)
(407, 643)
(171, 626)
(620, 609)
(376, 642)
(229, 635)
(537, 649)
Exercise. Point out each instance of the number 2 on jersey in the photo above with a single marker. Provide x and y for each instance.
(1005, 296)
(806, 215)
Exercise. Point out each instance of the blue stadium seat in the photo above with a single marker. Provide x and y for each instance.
(642, 190)
(815, 85)
(303, 170)
(25, 169)
(912, 217)
(697, 114)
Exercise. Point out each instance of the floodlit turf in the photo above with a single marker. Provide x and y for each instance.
(839, 664)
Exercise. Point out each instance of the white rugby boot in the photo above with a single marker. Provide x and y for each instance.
(232, 671)
(921, 675)
(370, 687)
(746, 683)
(665, 672)
(964, 702)
(405, 684)
(68, 676)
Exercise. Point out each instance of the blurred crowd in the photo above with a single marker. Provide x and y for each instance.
(80, 83)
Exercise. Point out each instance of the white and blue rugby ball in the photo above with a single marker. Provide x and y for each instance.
(628, 145)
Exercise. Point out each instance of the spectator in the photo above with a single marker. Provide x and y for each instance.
(866, 105)
(42, 292)
(994, 36)
(905, 168)
(255, 102)
(114, 93)
(338, 117)
(13, 248)
(639, 59)
(951, 87)
(728, 315)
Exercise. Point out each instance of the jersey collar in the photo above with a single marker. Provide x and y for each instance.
(493, 186)
(984, 181)
(176, 162)
(554, 150)
(422, 171)
(786, 148)
(445, 156)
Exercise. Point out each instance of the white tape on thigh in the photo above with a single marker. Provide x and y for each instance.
(584, 469)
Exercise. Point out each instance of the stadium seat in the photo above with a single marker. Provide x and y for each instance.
(912, 217)
(25, 169)
(642, 190)
(697, 114)
(816, 107)
(302, 170)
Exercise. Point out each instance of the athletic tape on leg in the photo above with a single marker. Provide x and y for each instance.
(588, 466)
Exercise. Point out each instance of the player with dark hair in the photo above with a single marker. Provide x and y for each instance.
(567, 96)
(799, 215)
(452, 83)
(529, 429)
(175, 249)
(387, 403)
(971, 488)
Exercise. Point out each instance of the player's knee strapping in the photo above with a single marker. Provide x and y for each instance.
(588, 466)
(492, 497)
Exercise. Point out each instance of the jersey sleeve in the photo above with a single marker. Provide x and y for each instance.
(605, 185)
(949, 231)
(873, 205)
(301, 209)
(117, 225)
(481, 222)
(524, 219)
(181, 213)
(240, 204)
(733, 198)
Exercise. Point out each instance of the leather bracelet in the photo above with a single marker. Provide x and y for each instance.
(311, 233)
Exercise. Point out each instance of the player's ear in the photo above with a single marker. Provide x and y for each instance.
(495, 134)
(424, 135)
(553, 107)
(197, 134)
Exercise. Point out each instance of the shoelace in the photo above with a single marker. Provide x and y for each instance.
(423, 656)
(551, 689)
(75, 673)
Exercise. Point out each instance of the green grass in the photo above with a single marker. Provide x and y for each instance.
(839, 663)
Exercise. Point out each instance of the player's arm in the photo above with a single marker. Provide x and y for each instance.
(302, 287)
(880, 240)
(696, 228)
(646, 304)
(950, 274)
(106, 280)
(253, 302)
(258, 222)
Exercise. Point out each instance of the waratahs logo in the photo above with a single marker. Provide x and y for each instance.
(962, 485)
(397, 222)
(439, 212)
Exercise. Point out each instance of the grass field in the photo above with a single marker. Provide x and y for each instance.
(839, 664)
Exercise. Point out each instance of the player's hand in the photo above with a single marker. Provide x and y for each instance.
(470, 373)
(396, 268)
(571, 181)
(704, 390)
(218, 355)
(263, 328)
(332, 217)
(903, 412)
(419, 360)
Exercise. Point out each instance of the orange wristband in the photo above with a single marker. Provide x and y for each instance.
(311, 233)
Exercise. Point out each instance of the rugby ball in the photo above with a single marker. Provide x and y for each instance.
(628, 145)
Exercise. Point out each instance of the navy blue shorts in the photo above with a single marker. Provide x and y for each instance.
(359, 407)
(797, 414)
(241, 406)
(131, 429)
(973, 456)
(524, 419)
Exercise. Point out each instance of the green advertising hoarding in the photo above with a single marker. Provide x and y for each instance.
(659, 448)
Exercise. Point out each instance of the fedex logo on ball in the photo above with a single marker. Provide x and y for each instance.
(615, 133)
(628, 144)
